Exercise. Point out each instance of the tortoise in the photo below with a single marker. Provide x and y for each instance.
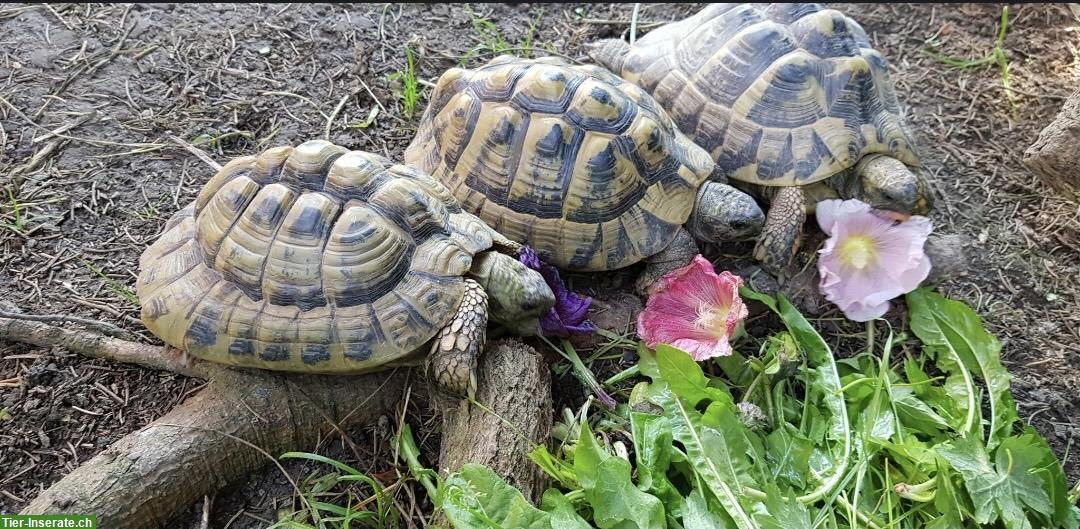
(580, 165)
(323, 260)
(791, 101)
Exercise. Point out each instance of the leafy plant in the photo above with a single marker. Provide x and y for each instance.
(374, 510)
(996, 55)
(18, 225)
(409, 92)
(493, 42)
(793, 438)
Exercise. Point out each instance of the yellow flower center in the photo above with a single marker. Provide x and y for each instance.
(857, 251)
(712, 319)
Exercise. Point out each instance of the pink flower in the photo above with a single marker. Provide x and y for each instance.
(868, 259)
(694, 309)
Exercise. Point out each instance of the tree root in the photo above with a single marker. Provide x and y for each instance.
(244, 417)
(19, 329)
(515, 387)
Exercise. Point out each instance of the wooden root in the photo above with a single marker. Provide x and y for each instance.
(219, 436)
(1054, 155)
(244, 418)
(515, 387)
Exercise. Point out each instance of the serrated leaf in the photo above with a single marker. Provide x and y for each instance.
(1004, 490)
(1049, 468)
(476, 498)
(788, 455)
(652, 455)
(688, 430)
(783, 511)
(618, 504)
(563, 515)
(825, 380)
(951, 328)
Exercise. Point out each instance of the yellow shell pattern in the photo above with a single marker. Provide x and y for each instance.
(780, 95)
(310, 259)
(571, 160)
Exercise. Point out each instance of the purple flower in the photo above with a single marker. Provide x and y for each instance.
(568, 315)
(868, 259)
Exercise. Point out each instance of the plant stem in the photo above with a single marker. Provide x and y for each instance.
(922, 492)
(870, 523)
(623, 375)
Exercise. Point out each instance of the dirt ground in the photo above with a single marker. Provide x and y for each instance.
(90, 95)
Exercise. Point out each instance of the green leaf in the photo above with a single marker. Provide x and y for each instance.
(685, 378)
(558, 469)
(947, 501)
(588, 455)
(948, 327)
(825, 380)
(1049, 469)
(698, 515)
(782, 511)
(788, 456)
(647, 362)
(617, 503)
(946, 405)
(1006, 490)
(563, 515)
(652, 455)
(702, 443)
(605, 478)
(476, 498)
(914, 413)
(727, 443)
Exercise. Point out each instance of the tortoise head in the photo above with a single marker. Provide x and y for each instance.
(517, 295)
(887, 184)
(724, 214)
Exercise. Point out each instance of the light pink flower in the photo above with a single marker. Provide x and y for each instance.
(869, 259)
(694, 309)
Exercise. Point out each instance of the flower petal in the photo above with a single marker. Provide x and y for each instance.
(568, 315)
(694, 309)
(829, 212)
(899, 263)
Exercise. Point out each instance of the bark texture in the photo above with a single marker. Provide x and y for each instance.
(515, 384)
(96, 345)
(1055, 155)
(143, 479)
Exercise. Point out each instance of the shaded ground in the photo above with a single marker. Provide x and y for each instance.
(89, 96)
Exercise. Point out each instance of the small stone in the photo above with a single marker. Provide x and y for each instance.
(947, 255)
(264, 50)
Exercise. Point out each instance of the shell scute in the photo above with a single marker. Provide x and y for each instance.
(760, 87)
(554, 155)
(311, 258)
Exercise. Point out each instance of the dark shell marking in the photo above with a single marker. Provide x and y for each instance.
(570, 160)
(310, 259)
(781, 94)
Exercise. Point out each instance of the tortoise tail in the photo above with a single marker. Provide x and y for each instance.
(609, 53)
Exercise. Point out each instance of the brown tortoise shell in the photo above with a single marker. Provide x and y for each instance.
(312, 258)
(779, 94)
(571, 160)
